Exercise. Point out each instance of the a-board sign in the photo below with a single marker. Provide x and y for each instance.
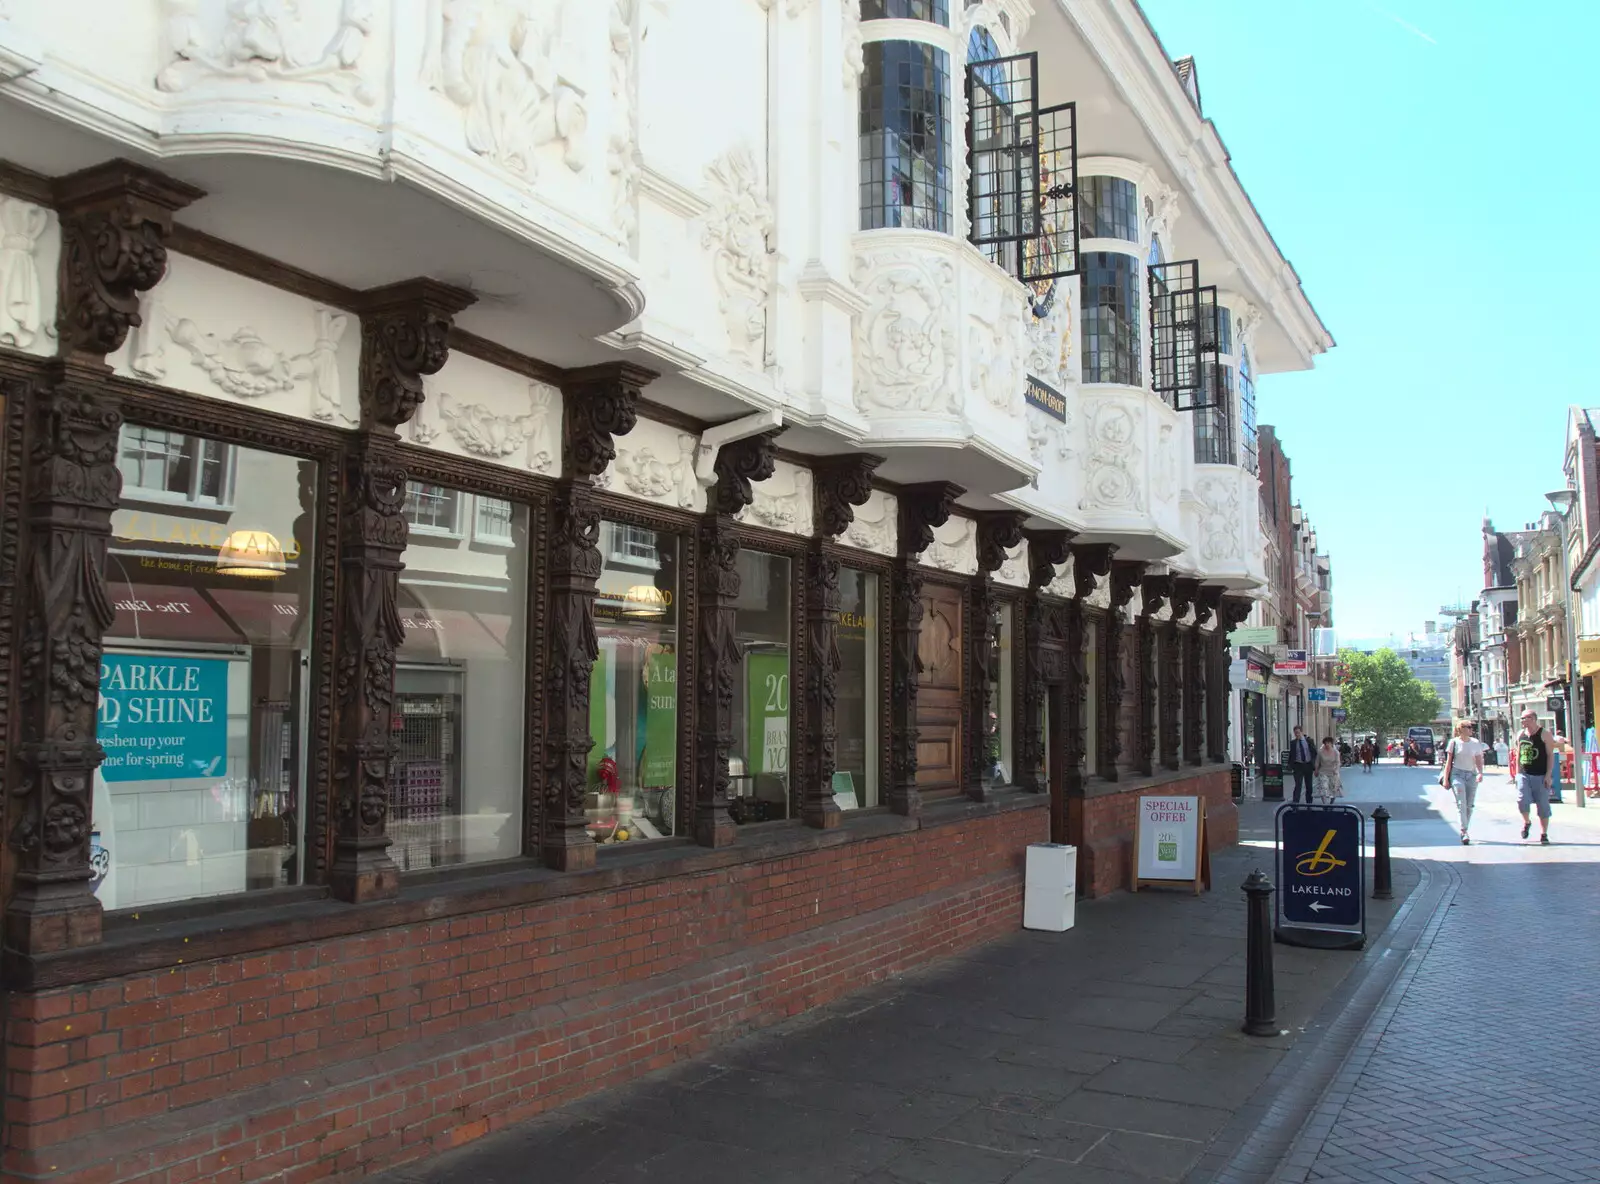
(1322, 900)
(1170, 842)
(1272, 782)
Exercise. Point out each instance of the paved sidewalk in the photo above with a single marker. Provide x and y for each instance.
(1107, 1055)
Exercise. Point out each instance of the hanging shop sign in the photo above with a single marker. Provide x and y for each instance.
(1554, 703)
(1292, 662)
(163, 718)
(1339, 715)
(1046, 399)
(1321, 877)
(1256, 635)
(1588, 656)
(1170, 845)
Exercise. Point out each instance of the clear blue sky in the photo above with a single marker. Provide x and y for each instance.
(1429, 167)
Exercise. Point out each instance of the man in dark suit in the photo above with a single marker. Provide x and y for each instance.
(1302, 760)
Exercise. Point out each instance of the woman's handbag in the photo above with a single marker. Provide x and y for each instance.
(1449, 765)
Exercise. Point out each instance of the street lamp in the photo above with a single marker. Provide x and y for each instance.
(1563, 500)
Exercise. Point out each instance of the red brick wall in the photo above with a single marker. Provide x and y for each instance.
(356, 1053)
(1105, 851)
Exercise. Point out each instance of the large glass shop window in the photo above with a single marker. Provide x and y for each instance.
(203, 680)
(455, 787)
(998, 757)
(633, 693)
(855, 779)
(758, 767)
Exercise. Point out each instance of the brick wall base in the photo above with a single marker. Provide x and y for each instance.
(1106, 824)
(348, 1055)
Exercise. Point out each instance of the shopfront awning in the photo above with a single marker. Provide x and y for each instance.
(263, 617)
(154, 612)
(444, 634)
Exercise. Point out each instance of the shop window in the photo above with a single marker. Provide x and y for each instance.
(936, 11)
(433, 509)
(758, 768)
(1110, 318)
(999, 758)
(905, 137)
(855, 778)
(158, 465)
(1108, 207)
(456, 784)
(633, 692)
(203, 679)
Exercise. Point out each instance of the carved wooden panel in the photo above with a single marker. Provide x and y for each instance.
(939, 689)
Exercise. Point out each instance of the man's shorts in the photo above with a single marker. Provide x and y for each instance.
(1531, 789)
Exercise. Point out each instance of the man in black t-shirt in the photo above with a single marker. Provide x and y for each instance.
(1534, 766)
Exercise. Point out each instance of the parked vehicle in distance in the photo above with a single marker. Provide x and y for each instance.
(1423, 739)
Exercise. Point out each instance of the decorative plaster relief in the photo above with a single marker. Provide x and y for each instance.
(477, 409)
(1111, 481)
(502, 63)
(1014, 570)
(738, 231)
(622, 157)
(852, 45)
(905, 343)
(22, 321)
(657, 478)
(997, 344)
(1161, 212)
(783, 501)
(267, 41)
(955, 546)
(1101, 596)
(874, 527)
(1062, 585)
(1050, 340)
(482, 432)
(1246, 321)
(1048, 436)
(1218, 498)
(1165, 478)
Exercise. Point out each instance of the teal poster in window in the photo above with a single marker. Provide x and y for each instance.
(658, 769)
(767, 710)
(163, 718)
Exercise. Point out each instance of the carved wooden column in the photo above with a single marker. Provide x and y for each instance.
(998, 532)
(114, 222)
(1125, 580)
(737, 465)
(1046, 550)
(841, 483)
(404, 329)
(1090, 562)
(1199, 684)
(598, 405)
(1232, 612)
(921, 509)
(1175, 697)
(1154, 591)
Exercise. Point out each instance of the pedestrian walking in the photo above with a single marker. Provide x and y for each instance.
(1533, 775)
(1302, 761)
(1326, 778)
(1463, 768)
(1367, 754)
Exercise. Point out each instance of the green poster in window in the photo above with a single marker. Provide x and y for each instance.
(601, 682)
(767, 712)
(659, 762)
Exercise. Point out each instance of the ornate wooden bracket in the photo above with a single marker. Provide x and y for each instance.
(738, 466)
(998, 532)
(115, 219)
(1090, 563)
(841, 483)
(1185, 590)
(598, 404)
(1046, 549)
(72, 488)
(1154, 592)
(405, 329)
(922, 510)
(1206, 603)
(1125, 578)
(817, 807)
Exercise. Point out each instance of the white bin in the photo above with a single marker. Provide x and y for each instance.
(1050, 887)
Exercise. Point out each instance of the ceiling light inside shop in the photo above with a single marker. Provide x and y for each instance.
(254, 554)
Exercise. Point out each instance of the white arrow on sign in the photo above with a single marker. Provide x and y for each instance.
(1318, 907)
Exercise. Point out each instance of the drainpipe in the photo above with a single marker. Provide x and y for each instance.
(713, 438)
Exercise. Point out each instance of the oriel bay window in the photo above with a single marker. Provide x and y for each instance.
(856, 711)
(203, 679)
(456, 784)
(633, 692)
(937, 11)
(905, 136)
(1111, 318)
(758, 767)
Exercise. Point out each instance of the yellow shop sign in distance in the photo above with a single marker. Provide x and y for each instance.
(1588, 656)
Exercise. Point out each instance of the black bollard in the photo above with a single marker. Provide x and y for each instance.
(1382, 882)
(1260, 1004)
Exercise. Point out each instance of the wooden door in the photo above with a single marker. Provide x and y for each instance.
(939, 689)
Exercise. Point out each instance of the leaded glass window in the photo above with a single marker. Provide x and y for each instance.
(1213, 423)
(937, 11)
(1108, 207)
(1247, 413)
(1111, 300)
(905, 137)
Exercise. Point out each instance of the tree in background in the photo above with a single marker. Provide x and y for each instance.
(1381, 694)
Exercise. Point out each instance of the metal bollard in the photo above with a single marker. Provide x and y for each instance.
(1382, 881)
(1260, 1004)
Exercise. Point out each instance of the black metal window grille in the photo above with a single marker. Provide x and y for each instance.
(1002, 151)
(1247, 413)
(935, 11)
(1175, 334)
(905, 137)
(1108, 207)
(1053, 250)
(1213, 424)
(1208, 323)
(1110, 318)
